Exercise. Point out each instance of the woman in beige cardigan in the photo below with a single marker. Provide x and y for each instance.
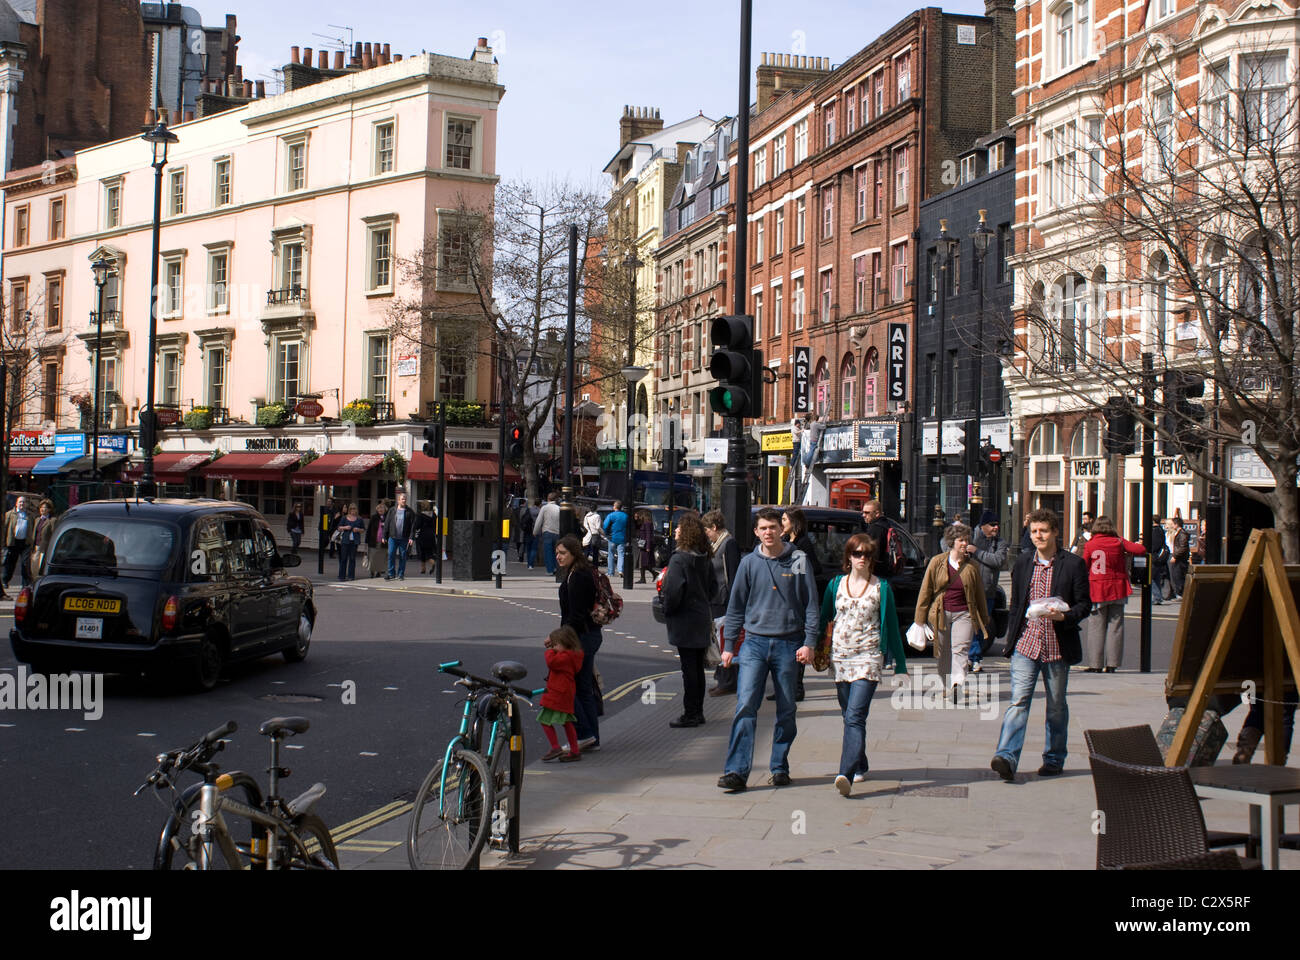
(952, 602)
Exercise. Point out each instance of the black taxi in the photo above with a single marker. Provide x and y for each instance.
(168, 587)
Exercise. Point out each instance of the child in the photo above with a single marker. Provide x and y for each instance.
(563, 661)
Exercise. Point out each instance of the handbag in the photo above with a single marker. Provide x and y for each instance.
(822, 652)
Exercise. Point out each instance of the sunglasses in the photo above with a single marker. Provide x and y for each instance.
(859, 553)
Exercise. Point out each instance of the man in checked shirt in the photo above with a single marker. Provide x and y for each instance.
(1047, 646)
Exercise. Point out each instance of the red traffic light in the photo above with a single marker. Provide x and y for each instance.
(516, 433)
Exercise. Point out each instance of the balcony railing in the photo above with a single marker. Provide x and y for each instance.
(286, 295)
(112, 318)
(385, 410)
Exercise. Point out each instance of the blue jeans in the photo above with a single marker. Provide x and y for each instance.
(396, 558)
(549, 540)
(977, 638)
(530, 550)
(855, 702)
(584, 701)
(615, 549)
(758, 657)
(1024, 677)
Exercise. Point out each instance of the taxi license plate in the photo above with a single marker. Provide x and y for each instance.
(91, 605)
(89, 628)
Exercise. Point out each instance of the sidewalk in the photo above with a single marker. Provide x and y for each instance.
(648, 797)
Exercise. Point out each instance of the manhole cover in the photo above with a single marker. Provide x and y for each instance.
(291, 698)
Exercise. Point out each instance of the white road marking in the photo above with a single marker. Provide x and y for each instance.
(296, 746)
(643, 641)
(390, 688)
(278, 683)
(367, 753)
(74, 729)
(146, 734)
(6, 724)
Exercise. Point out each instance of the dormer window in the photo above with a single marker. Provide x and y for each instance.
(968, 168)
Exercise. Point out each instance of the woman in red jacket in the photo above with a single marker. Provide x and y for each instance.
(563, 661)
(1108, 582)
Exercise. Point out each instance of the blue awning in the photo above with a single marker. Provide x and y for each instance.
(55, 464)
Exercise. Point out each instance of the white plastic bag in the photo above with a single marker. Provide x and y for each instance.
(918, 635)
(1046, 607)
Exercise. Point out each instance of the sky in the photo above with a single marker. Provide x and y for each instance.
(568, 66)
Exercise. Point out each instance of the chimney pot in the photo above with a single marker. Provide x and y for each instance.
(365, 50)
(150, 118)
(366, 62)
(356, 53)
(323, 60)
(306, 60)
(397, 58)
(388, 51)
(261, 89)
(293, 54)
(482, 42)
(248, 89)
(338, 59)
(189, 115)
(239, 70)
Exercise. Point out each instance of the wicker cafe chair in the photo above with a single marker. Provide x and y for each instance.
(1138, 745)
(1152, 814)
(1214, 860)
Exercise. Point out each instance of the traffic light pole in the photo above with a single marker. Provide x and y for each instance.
(501, 476)
(1148, 504)
(442, 489)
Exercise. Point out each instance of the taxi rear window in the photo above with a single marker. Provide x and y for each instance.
(112, 544)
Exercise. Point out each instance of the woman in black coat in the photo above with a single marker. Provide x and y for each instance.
(794, 528)
(577, 597)
(688, 587)
(426, 539)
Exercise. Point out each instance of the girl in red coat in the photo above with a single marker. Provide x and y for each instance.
(1108, 583)
(563, 661)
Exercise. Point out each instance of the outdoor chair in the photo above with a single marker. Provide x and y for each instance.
(1214, 860)
(1152, 815)
(1137, 745)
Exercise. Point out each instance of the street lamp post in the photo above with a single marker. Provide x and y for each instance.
(100, 268)
(159, 139)
(980, 238)
(632, 374)
(945, 246)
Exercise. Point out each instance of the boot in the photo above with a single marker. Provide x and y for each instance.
(1247, 742)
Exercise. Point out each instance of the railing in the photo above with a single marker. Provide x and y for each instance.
(385, 410)
(220, 414)
(286, 295)
(112, 318)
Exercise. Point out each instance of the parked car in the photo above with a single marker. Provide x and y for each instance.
(171, 587)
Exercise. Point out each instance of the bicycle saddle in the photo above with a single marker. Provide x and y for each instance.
(279, 726)
(508, 671)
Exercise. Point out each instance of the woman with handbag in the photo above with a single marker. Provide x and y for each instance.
(1107, 556)
(952, 602)
(591, 536)
(688, 587)
(577, 597)
(859, 624)
(645, 538)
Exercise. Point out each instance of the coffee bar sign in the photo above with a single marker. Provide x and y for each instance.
(31, 443)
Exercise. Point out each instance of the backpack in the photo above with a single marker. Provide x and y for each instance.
(892, 557)
(608, 604)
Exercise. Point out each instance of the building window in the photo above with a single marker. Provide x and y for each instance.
(221, 180)
(216, 377)
(452, 375)
(822, 378)
(778, 307)
(713, 262)
(758, 240)
(899, 272)
(1263, 82)
(1158, 307)
(860, 190)
(218, 282)
(453, 255)
(848, 386)
(903, 71)
(779, 234)
(954, 367)
(900, 176)
(997, 155)
(291, 267)
(53, 303)
(1061, 165)
(50, 392)
(697, 343)
(177, 192)
(797, 303)
(800, 217)
(288, 371)
(877, 279)
(675, 355)
(56, 219)
(825, 280)
(460, 143)
(931, 275)
(828, 123)
(384, 147)
(1216, 106)
(297, 165)
(107, 389)
(170, 363)
(859, 284)
(173, 293)
(17, 304)
(758, 317)
(778, 155)
(113, 293)
(1162, 121)
(112, 205)
(1006, 249)
(871, 377)
(878, 94)
(878, 190)
(828, 212)
(967, 169)
(1096, 156)
(377, 347)
(22, 218)
(800, 141)
(1071, 23)
(760, 166)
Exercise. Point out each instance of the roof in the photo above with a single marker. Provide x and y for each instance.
(9, 23)
(156, 509)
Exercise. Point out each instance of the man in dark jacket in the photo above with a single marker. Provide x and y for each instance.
(1046, 645)
(878, 530)
(989, 551)
(726, 558)
(1159, 562)
(399, 534)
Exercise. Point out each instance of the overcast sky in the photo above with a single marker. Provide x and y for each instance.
(569, 66)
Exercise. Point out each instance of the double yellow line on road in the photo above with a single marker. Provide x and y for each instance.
(370, 820)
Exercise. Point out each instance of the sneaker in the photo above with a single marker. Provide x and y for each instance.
(976, 668)
(570, 757)
(590, 745)
(388, 576)
(732, 783)
(1004, 769)
(1048, 770)
(779, 779)
(859, 777)
(843, 785)
(553, 755)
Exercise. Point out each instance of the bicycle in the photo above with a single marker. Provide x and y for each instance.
(282, 835)
(471, 794)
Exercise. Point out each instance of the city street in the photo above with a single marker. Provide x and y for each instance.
(69, 780)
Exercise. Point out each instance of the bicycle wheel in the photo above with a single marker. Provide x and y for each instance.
(176, 842)
(451, 815)
(320, 853)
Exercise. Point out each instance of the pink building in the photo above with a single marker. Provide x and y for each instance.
(285, 224)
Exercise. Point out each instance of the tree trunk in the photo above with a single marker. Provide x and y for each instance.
(529, 468)
(1286, 519)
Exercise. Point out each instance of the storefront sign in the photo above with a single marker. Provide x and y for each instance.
(781, 440)
(31, 443)
(778, 460)
(74, 443)
(837, 444)
(115, 442)
(1088, 469)
(271, 443)
(487, 446)
(877, 441)
(1168, 468)
(802, 365)
(408, 366)
(309, 408)
(896, 389)
(1245, 467)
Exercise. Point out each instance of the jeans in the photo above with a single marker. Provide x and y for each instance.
(977, 642)
(855, 702)
(1177, 575)
(584, 701)
(396, 558)
(296, 537)
(530, 550)
(347, 561)
(760, 656)
(1024, 677)
(615, 549)
(549, 540)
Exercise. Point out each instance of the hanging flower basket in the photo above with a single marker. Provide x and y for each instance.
(394, 466)
(360, 412)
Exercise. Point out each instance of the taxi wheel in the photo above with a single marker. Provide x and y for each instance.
(302, 642)
(208, 665)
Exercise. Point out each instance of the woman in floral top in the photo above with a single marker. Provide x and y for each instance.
(866, 623)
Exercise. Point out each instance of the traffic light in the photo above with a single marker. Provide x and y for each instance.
(1185, 415)
(970, 447)
(433, 440)
(516, 449)
(1121, 432)
(733, 366)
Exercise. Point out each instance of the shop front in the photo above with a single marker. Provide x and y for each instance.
(471, 475)
(1243, 513)
(1174, 493)
(776, 447)
(856, 462)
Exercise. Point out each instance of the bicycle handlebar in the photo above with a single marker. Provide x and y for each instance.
(224, 730)
(194, 756)
(453, 667)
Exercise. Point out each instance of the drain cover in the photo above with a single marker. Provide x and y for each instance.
(291, 698)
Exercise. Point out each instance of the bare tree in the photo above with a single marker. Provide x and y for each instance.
(31, 340)
(1178, 218)
(493, 285)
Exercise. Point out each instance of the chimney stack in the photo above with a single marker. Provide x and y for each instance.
(324, 60)
(293, 54)
(338, 59)
(261, 89)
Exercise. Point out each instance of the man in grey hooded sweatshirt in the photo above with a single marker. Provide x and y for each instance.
(774, 597)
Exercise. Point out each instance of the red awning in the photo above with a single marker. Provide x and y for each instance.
(171, 467)
(23, 464)
(338, 469)
(460, 466)
(251, 466)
